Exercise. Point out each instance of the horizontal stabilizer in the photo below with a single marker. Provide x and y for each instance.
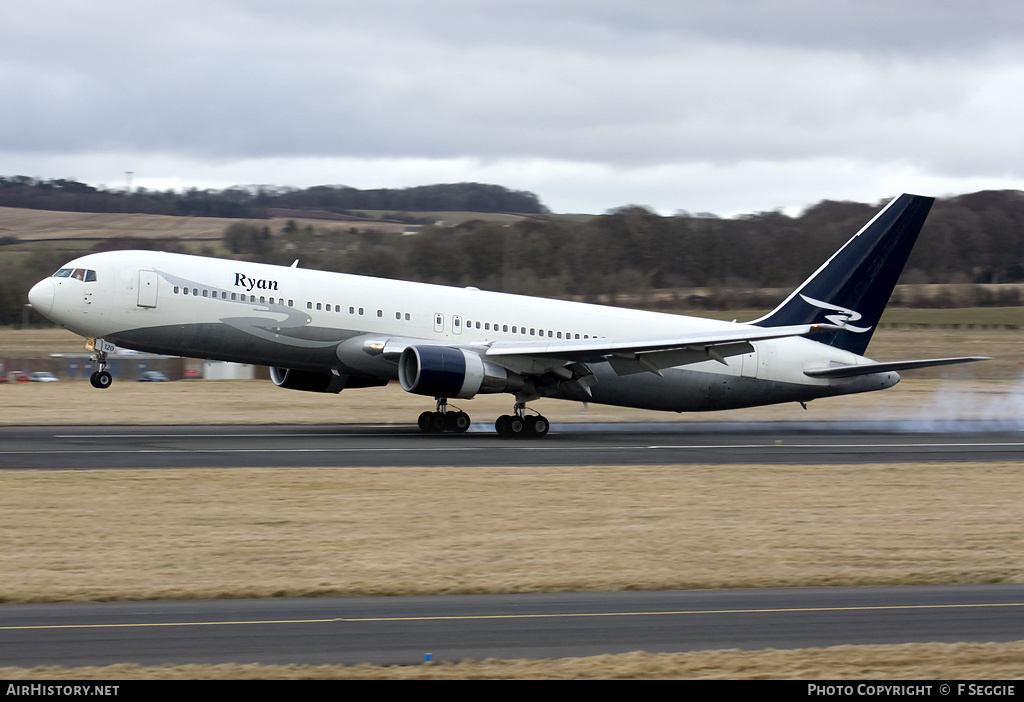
(869, 368)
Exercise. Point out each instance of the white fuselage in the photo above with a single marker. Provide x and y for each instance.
(326, 322)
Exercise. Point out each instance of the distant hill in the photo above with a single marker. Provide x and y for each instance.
(253, 202)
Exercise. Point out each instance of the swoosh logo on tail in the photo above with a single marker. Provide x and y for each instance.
(843, 317)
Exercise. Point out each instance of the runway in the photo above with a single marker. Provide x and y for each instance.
(405, 630)
(84, 447)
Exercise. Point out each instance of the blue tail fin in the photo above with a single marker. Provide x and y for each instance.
(852, 288)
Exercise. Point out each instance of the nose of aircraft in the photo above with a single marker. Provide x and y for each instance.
(41, 296)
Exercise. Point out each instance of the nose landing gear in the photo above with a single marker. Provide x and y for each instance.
(102, 378)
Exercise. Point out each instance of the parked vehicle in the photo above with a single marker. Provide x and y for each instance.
(152, 377)
(43, 377)
(14, 377)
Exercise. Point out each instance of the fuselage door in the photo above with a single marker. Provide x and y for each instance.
(438, 322)
(147, 288)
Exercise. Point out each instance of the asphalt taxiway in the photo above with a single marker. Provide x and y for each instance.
(405, 630)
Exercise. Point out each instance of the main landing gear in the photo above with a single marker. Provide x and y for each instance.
(509, 426)
(521, 425)
(443, 420)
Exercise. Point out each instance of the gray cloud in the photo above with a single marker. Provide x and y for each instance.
(814, 97)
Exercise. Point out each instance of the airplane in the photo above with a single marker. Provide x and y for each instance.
(322, 331)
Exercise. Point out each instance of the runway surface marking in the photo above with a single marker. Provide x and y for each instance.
(776, 444)
(485, 617)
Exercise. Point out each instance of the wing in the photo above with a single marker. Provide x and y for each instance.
(562, 363)
(638, 355)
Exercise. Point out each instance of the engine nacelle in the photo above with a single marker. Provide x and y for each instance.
(313, 381)
(442, 371)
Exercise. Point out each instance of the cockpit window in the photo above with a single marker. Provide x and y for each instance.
(82, 274)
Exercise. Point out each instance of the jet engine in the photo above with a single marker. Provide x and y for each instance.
(442, 371)
(313, 381)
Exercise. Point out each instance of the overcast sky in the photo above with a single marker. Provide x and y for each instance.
(722, 106)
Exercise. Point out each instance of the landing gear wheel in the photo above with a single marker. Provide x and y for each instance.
(537, 425)
(513, 426)
(101, 379)
(501, 425)
(457, 422)
(435, 423)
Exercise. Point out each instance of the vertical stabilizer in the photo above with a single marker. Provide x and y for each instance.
(853, 287)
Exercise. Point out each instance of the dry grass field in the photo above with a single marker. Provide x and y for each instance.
(304, 532)
(42, 225)
(920, 662)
